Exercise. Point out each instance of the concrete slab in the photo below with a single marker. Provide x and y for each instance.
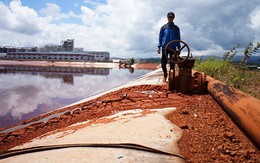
(144, 127)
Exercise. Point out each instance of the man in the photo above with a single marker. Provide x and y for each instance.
(168, 32)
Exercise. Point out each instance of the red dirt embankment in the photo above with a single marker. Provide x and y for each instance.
(209, 134)
(147, 66)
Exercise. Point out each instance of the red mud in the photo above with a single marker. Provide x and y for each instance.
(147, 66)
(209, 134)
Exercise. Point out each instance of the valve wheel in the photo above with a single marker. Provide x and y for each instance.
(176, 53)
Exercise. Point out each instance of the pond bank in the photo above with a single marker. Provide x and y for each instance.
(208, 133)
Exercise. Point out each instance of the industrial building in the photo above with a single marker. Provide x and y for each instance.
(63, 52)
(59, 56)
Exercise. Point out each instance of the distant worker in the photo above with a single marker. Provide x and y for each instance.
(168, 32)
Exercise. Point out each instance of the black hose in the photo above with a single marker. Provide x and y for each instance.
(11, 153)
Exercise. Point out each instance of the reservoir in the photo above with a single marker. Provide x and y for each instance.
(29, 91)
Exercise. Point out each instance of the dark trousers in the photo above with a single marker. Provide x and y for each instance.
(164, 62)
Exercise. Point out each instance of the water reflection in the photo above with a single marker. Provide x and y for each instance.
(28, 91)
(65, 73)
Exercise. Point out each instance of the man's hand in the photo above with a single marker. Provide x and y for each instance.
(158, 50)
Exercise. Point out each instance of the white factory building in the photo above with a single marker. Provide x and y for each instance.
(64, 52)
(60, 56)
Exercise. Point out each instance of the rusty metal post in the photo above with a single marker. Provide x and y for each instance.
(185, 78)
(241, 107)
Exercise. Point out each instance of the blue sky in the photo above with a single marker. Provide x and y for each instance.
(129, 28)
(65, 5)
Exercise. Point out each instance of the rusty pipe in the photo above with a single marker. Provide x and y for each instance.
(241, 107)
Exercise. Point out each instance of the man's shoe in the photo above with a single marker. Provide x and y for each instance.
(164, 79)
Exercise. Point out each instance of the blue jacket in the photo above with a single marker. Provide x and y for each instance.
(169, 32)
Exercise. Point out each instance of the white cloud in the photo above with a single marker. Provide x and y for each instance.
(93, 3)
(51, 8)
(255, 23)
(73, 15)
(87, 16)
(217, 22)
(19, 19)
(53, 12)
(130, 28)
(255, 18)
